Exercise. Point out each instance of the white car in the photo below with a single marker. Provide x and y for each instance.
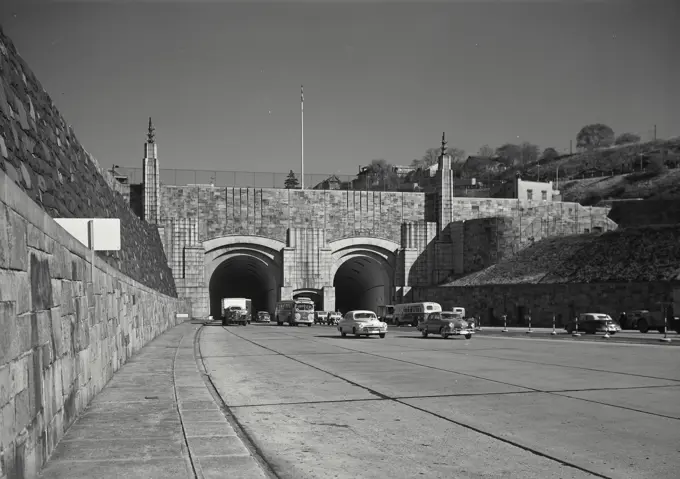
(362, 323)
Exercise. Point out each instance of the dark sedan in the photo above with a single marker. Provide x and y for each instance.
(592, 323)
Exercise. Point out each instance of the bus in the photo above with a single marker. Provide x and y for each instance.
(295, 311)
(411, 313)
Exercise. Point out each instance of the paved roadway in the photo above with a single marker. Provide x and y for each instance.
(315, 405)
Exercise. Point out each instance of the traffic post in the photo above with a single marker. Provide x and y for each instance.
(530, 330)
(479, 322)
(505, 323)
(554, 333)
(665, 338)
(576, 334)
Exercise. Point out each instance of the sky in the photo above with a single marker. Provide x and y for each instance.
(221, 80)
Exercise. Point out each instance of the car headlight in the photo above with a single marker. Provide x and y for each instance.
(297, 316)
(452, 325)
(310, 317)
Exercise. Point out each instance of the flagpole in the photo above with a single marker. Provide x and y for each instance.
(302, 138)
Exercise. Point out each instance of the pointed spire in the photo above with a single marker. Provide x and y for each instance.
(152, 132)
(444, 142)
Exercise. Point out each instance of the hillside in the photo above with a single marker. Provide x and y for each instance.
(650, 253)
(614, 172)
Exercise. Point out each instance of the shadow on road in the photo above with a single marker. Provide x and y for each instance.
(349, 336)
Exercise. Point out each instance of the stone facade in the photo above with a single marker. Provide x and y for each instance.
(40, 153)
(269, 212)
(66, 325)
(304, 236)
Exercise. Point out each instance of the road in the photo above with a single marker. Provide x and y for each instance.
(316, 405)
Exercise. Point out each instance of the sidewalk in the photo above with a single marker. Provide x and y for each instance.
(154, 419)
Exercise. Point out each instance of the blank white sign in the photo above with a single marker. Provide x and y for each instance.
(106, 232)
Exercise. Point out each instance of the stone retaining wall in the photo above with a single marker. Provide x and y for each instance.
(64, 329)
(40, 153)
(543, 300)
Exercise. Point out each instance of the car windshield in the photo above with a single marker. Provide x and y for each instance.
(304, 307)
(264, 314)
(451, 316)
(364, 316)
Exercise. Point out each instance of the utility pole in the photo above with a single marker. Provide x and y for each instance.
(302, 138)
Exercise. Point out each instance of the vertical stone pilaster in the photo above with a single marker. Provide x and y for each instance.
(329, 298)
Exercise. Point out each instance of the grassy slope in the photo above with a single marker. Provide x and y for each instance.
(601, 164)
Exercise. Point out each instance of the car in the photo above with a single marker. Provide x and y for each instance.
(320, 317)
(334, 318)
(362, 323)
(263, 316)
(445, 323)
(592, 323)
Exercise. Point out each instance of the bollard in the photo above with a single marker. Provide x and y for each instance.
(529, 331)
(576, 333)
(554, 333)
(665, 338)
(505, 323)
(479, 322)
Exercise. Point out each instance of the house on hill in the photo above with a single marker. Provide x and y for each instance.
(330, 183)
(525, 190)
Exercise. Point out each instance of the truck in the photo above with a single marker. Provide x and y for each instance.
(236, 311)
(386, 313)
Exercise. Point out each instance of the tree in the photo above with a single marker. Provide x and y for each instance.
(291, 182)
(549, 154)
(431, 157)
(625, 138)
(485, 151)
(381, 175)
(595, 136)
(518, 155)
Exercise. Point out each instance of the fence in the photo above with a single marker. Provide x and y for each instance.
(319, 181)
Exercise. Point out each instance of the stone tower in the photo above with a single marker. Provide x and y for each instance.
(151, 178)
(445, 193)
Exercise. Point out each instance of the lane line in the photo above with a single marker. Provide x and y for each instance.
(444, 418)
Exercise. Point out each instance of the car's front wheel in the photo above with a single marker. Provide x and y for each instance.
(443, 333)
(468, 336)
(382, 335)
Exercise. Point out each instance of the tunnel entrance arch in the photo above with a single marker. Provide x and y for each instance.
(363, 274)
(243, 267)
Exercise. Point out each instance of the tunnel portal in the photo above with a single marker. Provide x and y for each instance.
(361, 282)
(244, 276)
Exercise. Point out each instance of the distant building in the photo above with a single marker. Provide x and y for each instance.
(330, 183)
(526, 190)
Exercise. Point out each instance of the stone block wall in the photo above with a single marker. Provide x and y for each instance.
(270, 212)
(68, 321)
(565, 301)
(307, 259)
(41, 154)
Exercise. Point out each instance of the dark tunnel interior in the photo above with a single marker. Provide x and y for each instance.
(243, 277)
(360, 283)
